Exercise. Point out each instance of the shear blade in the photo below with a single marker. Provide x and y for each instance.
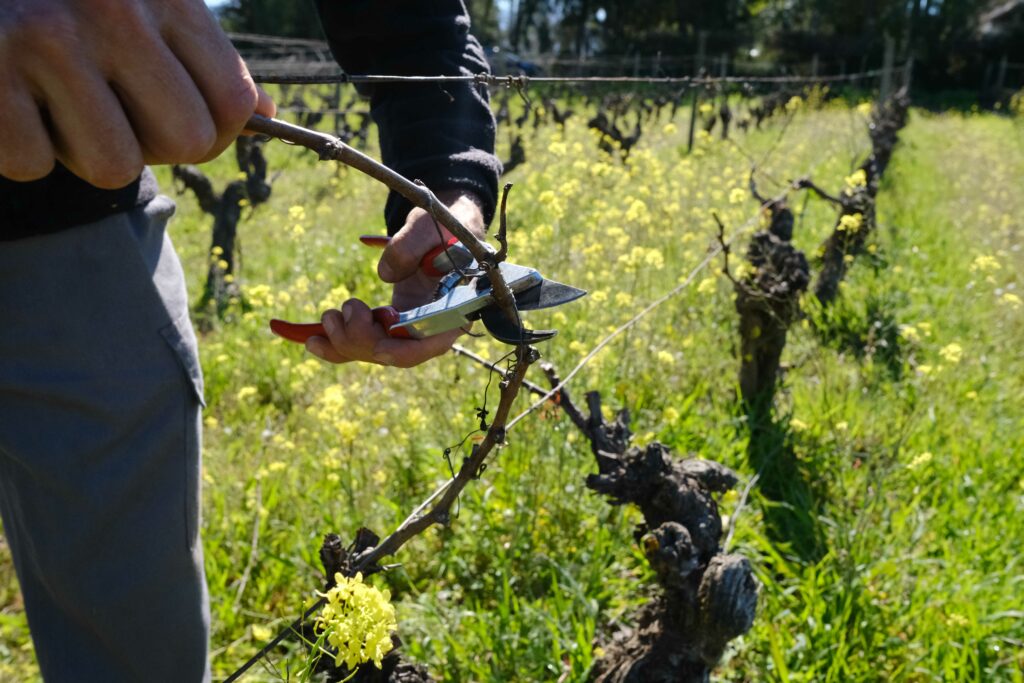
(547, 294)
(502, 329)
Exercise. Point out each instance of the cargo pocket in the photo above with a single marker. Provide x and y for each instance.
(182, 340)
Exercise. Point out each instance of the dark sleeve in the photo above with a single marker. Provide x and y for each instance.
(440, 133)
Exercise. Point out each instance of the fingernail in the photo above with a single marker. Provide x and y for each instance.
(346, 312)
(384, 358)
(330, 324)
(385, 271)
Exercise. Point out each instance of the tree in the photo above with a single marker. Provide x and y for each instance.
(272, 17)
(484, 14)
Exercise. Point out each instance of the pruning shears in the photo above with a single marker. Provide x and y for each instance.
(463, 295)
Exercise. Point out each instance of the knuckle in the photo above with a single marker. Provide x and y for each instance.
(203, 141)
(215, 150)
(125, 14)
(335, 344)
(420, 226)
(196, 141)
(233, 103)
(401, 253)
(46, 31)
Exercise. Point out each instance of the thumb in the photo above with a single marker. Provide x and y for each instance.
(265, 106)
(402, 256)
(265, 103)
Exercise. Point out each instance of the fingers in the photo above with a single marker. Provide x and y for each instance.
(406, 353)
(265, 104)
(106, 85)
(265, 107)
(218, 72)
(171, 122)
(351, 332)
(321, 347)
(90, 132)
(352, 335)
(27, 152)
(86, 125)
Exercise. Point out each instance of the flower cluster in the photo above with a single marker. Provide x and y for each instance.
(850, 222)
(357, 622)
(858, 178)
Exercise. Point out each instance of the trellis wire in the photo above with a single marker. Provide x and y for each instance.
(295, 78)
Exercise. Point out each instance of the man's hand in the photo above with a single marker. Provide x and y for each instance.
(105, 86)
(351, 332)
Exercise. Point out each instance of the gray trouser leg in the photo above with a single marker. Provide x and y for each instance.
(100, 394)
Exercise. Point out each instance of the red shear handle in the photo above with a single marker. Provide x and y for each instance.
(435, 263)
(375, 240)
(297, 332)
(386, 316)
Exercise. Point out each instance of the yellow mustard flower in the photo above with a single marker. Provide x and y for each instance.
(920, 459)
(858, 178)
(357, 622)
(706, 286)
(850, 222)
(245, 393)
(985, 263)
(952, 353)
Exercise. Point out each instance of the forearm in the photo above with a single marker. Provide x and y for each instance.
(442, 135)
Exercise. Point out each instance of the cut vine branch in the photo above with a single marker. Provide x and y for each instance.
(460, 350)
(330, 148)
(472, 467)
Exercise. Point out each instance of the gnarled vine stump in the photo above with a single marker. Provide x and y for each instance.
(856, 204)
(768, 302)
(226, 210)
(707, 597)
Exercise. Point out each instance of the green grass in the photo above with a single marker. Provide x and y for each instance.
(894, 554)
